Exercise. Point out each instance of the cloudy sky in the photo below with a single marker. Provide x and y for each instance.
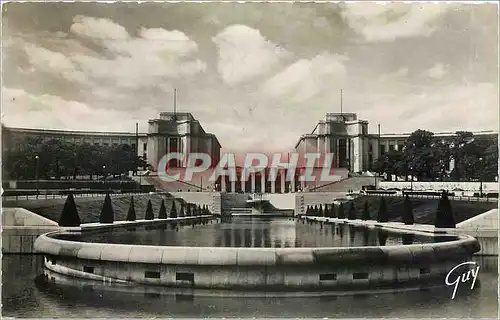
(256, 75)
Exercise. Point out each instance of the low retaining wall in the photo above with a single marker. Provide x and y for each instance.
(21, 239)
(21, 227)
(450, 186)
(256, 268)
(487, 239)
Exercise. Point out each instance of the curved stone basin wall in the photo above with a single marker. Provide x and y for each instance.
(256, 268)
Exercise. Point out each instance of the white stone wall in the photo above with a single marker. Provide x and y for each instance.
(467, 186)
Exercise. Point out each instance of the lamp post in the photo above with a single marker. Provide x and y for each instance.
(480, 178)
(103, 177)
(411, 177)
(36, 175)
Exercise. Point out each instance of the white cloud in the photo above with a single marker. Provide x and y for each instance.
(307, 77)
(438, 71)
(387, 22)
(52, 62)
(244, 54)
(52, 112)
(445, 108)
(98, 28)
(152, 58)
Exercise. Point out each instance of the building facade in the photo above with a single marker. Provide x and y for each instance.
(347, 138)
(179, 132)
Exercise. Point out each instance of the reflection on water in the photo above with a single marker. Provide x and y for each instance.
(259, 232)
(22, 297)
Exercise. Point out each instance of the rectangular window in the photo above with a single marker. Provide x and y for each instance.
(382, 149)
(360, 275)
(88, 269)
(184, 276)
(145, 146)
(327, 277)
(152, 274)
(391, 147)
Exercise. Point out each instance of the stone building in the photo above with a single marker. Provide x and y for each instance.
(347, 137)
(181, 133)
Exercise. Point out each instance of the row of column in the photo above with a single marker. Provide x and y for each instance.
(253, 187)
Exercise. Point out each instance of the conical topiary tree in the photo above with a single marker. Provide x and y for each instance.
(308, 211)
(382, 211)
(326, 212)
(407, 238)
(107, 215)
(352, 212)
(182, 211)
(333, 212)
(173, 210)
(450, 218)
(366, 212)
(149, 211)
(69, 215)
(163, 211)
(315, 210)
(340, 211)
(188, 210)
(408, 211)
(131, 211)
(382, 237)
(320, 211)
(444, 213)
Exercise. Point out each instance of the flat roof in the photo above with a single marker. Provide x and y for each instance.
(75, 132)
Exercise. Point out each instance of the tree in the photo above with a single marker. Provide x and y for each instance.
(408, 211)
(419, 154)
(149, 211)
(173, 210)
(340, 211)
(188, 210)
(163, 211)
(320, 211)
(131, 210)
(69, 215)
(382, 237)
(326, 212)
(407, 238)
(333, 212)
(198, 211)
(382, 211)
(182, 211)
(444, 213)
(366, 212)
(352, 212)
(107, 215)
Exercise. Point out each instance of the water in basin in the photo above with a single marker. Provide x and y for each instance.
(257, 232)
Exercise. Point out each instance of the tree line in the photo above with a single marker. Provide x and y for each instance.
(36, 157)
(427, 158)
